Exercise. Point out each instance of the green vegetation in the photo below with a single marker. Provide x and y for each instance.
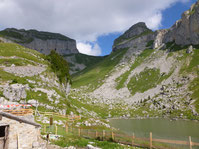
(59, 66)
(123, 38)
(17, 62)
(149, 78)
(95, 74)
(150, 43)
(174, 47)
(11, 49)
(122, 79)
(193, 9)
(16, 35)
(40, 96)
(82, 142)
(194, 86)
(87, 60)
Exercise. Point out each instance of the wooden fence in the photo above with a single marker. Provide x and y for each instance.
(123, 138)
(69, 117)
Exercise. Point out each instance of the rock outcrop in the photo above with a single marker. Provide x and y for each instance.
(186, 30)
(135, 30)
(43, 42)
(137, 35)
(15, 92)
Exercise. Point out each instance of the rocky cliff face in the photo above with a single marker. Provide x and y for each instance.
(186, 30)
(43, 42)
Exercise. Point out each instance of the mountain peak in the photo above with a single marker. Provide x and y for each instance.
(136, 30)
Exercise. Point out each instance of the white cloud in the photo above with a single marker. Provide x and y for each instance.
(89, 49)
(83, 20)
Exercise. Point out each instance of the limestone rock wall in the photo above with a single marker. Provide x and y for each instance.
(45, 46)
(186, 30)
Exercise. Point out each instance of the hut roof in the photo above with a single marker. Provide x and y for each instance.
(17, 118)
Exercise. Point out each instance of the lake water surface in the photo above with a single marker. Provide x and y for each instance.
(161, 128)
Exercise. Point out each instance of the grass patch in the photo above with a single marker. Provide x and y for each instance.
(122, 79)
(17, 62)
(71, 140)
(11, 49)
(150, 43)
(87, 60)
(95, 74)
(194, 86)
(40, 96)
(147, 79)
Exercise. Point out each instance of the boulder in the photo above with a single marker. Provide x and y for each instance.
(190, 49)
(15, 92)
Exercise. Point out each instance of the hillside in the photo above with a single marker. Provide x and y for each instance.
(78, 61)
(148, 74)
(27, 76)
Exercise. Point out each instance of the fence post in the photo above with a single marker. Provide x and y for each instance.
(71, 129)
(66, 127)
(133, 137)
(44, 128)
(55, 129)
(104, 134)
(190, 143)
(96, 134)
(79, 132)
(112, 135)
(150, 140)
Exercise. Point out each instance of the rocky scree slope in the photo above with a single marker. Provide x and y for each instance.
(148, 74)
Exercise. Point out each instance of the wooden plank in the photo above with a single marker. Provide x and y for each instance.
(190, 143)
(171, 141)
(151, 140)
(195, 144)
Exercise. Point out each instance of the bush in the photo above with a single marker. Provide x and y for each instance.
(59, 66)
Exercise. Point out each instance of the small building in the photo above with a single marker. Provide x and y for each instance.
(19, 132)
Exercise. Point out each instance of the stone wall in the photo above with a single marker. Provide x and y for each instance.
(28, 135)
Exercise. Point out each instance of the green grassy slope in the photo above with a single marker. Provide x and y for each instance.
(83, 59)
(122, 79)
(97, 73)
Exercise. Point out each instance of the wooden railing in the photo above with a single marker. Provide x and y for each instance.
(123, 138)
(69, 117)
(20, 112)
(149, 142)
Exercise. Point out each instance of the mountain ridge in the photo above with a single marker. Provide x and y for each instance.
(40, 41)
(152, 77)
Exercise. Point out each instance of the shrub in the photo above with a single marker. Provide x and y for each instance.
(59, 66)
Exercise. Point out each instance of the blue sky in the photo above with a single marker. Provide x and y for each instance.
(94, 24)
(169, 17)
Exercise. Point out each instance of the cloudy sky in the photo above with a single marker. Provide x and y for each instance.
(93, 23)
